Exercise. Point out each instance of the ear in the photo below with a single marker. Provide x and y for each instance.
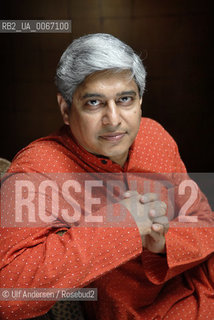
(141, 99)
(63, 108)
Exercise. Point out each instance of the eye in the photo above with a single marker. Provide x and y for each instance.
(126, 100)
(93, 102)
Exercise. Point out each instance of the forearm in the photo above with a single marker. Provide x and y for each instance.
(41, 258)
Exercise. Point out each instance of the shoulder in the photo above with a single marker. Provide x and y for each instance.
(47, 154)
(154, 149)
(151, 129)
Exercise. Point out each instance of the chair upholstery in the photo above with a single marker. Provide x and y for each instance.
(4, 165)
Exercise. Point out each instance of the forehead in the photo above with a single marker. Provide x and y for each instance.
(107, 83)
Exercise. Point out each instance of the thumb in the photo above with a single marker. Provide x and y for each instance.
(130, 193)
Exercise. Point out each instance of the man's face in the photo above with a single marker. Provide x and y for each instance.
(105, 114)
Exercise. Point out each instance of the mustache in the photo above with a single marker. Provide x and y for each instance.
(112, 130)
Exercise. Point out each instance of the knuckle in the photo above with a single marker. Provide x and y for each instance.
(162, 220)
(147, 197)
(130, 193)
(163, 205)
(158, 208)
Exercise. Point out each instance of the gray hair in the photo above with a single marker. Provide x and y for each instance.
(92, 53)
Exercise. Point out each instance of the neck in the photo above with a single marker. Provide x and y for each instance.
(121, 160)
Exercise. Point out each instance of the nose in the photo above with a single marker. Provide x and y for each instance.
(111, 114)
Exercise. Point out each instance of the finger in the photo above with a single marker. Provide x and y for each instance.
(130, 193)
(158, 243)
(157, 208)
(158, 211)
(144, 229)
(158, 228)
(157, 237)
(158, 204)
(148, 197)
(162, 221)
(163, 205)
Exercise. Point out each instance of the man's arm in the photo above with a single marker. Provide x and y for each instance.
(187, 245)
(41, 258)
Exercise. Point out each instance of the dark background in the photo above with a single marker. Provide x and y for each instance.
(174, 39)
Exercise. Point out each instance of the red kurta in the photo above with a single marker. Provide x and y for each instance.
(132, 283)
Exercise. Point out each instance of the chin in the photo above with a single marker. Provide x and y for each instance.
(114, 154)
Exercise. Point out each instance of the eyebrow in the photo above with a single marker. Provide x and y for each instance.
(97, 95)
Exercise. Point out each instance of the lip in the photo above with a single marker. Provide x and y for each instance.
(113, 136)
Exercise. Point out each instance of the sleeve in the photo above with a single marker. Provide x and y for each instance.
(38, 257)
(188, 243)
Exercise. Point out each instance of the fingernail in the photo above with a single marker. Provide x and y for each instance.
(152, 212)
(127, 194)
(156, 227)
(143, 198)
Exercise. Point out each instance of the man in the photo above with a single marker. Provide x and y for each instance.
(141, 270)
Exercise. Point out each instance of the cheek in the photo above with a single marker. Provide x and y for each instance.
(135, 118)
(87, 126)
(134, 122)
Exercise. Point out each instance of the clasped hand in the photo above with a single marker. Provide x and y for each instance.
(150, 216)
